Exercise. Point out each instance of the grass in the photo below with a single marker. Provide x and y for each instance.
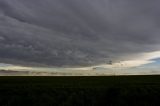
(80, 91)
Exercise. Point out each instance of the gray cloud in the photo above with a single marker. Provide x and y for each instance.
(76, 32)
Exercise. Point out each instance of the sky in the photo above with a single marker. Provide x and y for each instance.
(79, 37)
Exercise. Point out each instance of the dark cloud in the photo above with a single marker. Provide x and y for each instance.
(76, 32)
(13, 73)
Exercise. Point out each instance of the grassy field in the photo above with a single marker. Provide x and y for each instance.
(80, 91)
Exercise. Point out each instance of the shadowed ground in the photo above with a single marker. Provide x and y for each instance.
(80, 91)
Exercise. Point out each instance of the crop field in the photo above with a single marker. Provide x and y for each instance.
(80, 91)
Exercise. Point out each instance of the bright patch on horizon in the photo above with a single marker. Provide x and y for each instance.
(143, 59)
(4, 66)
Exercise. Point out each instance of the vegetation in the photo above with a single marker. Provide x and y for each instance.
(80, 91)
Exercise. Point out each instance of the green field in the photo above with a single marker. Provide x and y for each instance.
(80, 91)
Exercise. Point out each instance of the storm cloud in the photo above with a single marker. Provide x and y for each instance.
(77, 32)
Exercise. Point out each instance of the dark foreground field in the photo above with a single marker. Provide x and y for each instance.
(80, 91)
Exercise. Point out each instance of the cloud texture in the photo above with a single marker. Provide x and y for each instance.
(77, 32)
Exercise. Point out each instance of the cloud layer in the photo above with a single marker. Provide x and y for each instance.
(76, 32)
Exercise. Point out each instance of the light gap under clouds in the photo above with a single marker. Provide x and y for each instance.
(145, 65)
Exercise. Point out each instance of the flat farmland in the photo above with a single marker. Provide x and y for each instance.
(80, 91)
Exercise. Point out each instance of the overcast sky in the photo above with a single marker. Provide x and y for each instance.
(79, 33)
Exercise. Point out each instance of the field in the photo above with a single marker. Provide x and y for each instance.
(80, 91)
